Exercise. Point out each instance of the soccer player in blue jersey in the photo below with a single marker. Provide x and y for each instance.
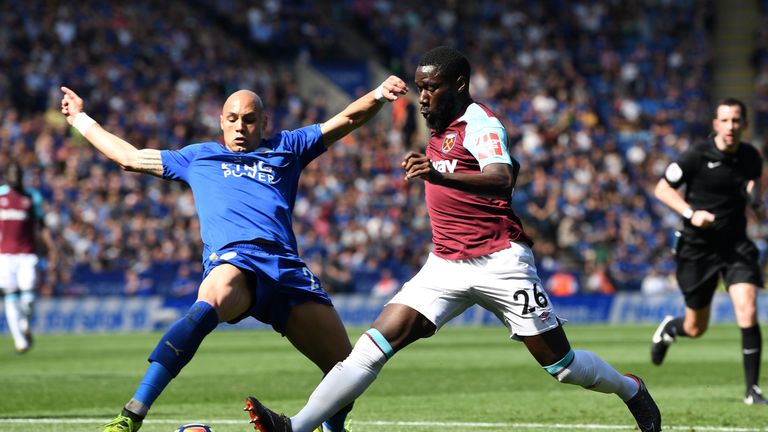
(244, 193)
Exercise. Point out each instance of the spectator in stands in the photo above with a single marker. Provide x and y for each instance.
(562, 283)
(550, 52)
(656, 283)
(598, 280)
(386, 286)
(184, 284)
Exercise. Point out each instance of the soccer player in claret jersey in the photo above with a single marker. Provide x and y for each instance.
(469, 176)
(244, 192)
(22, 234)
(721, 177)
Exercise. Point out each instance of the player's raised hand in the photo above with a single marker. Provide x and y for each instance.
(71, 104)
(392, 88)
(418, 165)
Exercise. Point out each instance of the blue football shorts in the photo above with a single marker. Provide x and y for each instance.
(278, 278)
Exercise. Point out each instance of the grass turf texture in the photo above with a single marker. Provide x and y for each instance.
(461, 379)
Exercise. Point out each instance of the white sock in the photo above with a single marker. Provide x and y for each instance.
(25, 305)
(14, 316)
(593, 373)
(27, 299)
(345, 382)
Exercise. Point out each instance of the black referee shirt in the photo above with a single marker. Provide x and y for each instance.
(716, 181)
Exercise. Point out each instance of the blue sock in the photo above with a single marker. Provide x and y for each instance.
(336, 422)
(153, 383)
(179, 344)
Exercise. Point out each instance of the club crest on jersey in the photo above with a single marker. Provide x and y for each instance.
(448, 142)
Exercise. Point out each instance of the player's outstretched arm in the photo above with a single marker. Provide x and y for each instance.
(360, 111)
(116, 149)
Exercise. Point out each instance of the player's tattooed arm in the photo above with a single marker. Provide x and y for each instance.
(125, 154)
(148, 161)
(113, 147)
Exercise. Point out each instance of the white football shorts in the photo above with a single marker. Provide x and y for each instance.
(18, 272)
(504, 282)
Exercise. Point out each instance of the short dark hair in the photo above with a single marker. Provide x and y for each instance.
(730, 102)
(449, 61)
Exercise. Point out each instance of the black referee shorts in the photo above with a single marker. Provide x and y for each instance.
(699, 269)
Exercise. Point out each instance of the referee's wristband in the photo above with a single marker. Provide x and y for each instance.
(83, 122)
(688, 213)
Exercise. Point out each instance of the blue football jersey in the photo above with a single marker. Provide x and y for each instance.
(245, 196)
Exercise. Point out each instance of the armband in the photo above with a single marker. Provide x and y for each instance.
(83, 122)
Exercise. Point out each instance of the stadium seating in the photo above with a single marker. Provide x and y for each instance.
(597, 98)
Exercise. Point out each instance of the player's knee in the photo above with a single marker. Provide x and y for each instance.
(696, 330)
(402, 325)
(746, 315)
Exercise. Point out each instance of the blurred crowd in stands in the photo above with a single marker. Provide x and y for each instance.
(597, 98)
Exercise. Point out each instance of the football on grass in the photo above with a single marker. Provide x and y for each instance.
(195, 427)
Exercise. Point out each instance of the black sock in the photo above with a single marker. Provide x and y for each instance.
(133, 416)
(675, 328)
(751, 348)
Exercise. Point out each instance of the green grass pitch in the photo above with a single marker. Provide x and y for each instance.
(461, 379)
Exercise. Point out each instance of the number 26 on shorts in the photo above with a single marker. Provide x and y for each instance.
(538, 297)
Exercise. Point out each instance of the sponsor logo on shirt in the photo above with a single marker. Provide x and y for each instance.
(488, 146)
(711, 165)
(258, 170)
(12, 215)
(444, 166)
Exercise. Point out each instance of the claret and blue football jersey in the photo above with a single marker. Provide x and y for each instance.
(467, 225)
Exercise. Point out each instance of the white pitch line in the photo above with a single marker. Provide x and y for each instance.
(395, 423)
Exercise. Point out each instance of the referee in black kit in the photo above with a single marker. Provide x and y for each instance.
(722, 177)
